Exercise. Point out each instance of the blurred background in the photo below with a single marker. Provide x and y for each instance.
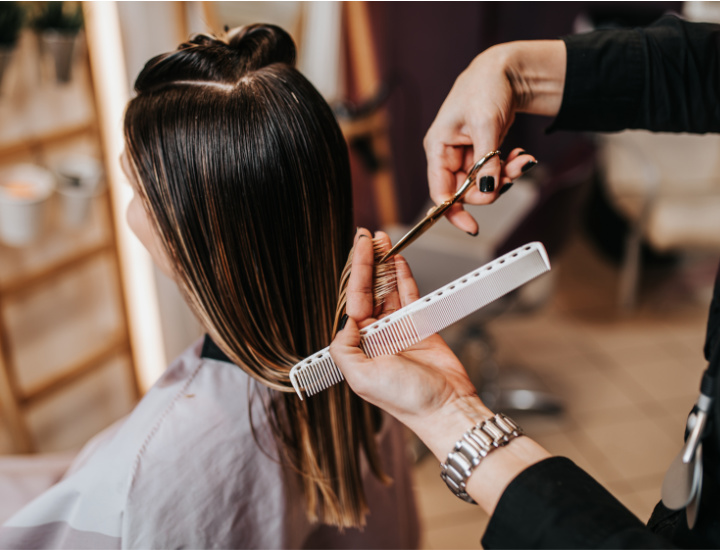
(599, 360)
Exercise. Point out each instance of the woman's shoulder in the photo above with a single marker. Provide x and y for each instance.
(204, 465)
(199, 402)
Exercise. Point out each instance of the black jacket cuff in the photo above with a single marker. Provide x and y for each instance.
(555, 504)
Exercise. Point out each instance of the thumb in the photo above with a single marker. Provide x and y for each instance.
(350, 359)
(486, 139)
(345, 348)
(348, 335)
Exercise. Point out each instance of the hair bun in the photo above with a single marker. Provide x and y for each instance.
(260, 45)
(200, 39)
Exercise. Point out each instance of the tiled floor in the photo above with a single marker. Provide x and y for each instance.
(627, 382)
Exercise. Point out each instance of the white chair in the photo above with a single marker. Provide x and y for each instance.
(668, 187)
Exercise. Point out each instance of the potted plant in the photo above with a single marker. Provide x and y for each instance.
(11, 20)
(57, 25)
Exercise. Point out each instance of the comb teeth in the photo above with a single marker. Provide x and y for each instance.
(428, 315)
(394, 336)
(316, 373)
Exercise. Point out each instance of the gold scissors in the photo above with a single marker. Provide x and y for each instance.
(436, 213)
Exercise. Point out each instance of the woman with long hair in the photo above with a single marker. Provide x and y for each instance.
(243, 197)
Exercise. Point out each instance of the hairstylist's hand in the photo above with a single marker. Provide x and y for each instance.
(476, 115)
(423, 386)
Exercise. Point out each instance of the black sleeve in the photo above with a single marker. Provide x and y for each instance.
(664, 78)
(555, 504)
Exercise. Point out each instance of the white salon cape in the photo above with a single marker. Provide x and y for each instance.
(184, 471)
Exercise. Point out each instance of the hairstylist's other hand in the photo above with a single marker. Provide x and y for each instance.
(476, 115)
(424, 386)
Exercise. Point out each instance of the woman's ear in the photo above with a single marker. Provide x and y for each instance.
(138, 219)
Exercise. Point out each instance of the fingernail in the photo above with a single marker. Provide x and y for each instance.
(472, 234)
(528, 165)
(487, 184)
(523, 152)
(504, 189)
(342, 323)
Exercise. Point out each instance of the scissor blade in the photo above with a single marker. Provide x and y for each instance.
(409, 237)
(436, 213)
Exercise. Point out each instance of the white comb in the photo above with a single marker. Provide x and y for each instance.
(428, 315)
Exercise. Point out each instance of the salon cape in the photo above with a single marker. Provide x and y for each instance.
(183, 470)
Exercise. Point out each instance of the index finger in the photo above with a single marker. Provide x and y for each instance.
(360, 285)
(407, 287)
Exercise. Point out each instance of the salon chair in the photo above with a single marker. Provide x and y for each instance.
(546, 209)
(668, 187)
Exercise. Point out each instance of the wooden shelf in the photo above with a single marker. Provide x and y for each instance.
(42, 118)
(116, 345)
(32, 143)
(27, 281)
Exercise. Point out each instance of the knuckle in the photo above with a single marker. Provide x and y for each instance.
(431, 144)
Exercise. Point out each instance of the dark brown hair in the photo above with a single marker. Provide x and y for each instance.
(245, 173)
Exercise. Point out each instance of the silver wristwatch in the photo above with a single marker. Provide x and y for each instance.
(475, 445)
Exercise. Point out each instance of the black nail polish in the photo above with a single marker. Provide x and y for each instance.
(521, 153)
(504, 189)
(487, 184)
(528, 165)
(473, 234)
(342, 323)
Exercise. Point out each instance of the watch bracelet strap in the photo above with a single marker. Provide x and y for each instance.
(476, 444)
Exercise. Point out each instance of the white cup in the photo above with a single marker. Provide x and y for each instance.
(24, 192)
(80, 179)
